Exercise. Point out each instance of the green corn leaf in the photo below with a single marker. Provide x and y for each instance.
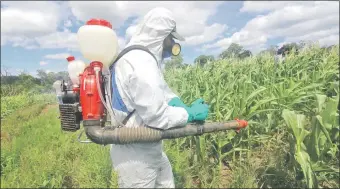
(329, 113)
(311, 86)
(261, 102)
(291, 119)
(323, 128)
(313, 144)
(253, 94)
(228, 115)
(303, 159)
(322, 167)
(202, 147)
(321, 99)
(301, 99)
(260, 111)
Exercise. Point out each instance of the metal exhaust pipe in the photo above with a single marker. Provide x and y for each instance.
(124, 135)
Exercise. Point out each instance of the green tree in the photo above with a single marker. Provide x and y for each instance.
(288, 48)
(26, 79)
(235, 50)
(203, 59)
(245, 54)
(47, 79)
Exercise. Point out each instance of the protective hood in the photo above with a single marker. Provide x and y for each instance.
(156, 25)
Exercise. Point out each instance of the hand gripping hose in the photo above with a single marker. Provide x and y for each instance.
(125, 135)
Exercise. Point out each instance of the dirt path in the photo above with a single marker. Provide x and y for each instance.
(47, 107)
(5, 136)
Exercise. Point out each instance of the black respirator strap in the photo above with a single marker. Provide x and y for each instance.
(120, 55)
(130, 48)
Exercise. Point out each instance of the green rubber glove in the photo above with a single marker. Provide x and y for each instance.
(177, 102)
(198, 112)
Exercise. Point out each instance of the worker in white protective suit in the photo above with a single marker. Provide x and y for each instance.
(139, 87)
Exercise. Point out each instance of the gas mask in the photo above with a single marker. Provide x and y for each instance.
(170, 47)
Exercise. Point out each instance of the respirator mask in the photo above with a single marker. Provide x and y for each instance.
(170, 47)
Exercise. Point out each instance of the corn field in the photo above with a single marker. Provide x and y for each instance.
(296, 99)
(292, 139)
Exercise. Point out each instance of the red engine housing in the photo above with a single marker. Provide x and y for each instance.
(92, 107)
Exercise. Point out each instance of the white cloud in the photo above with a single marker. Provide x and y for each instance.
(35, 24)
(264, 6)
(29, 19)
(60, 56)
(294, 21)
(329, 40)
(28, 25)
(246, 38)
(191, 17)
(210, 33)
(293, 14)
(43, 63)
(19, 41)
(315, 35)
(54, 40)
(58, 40)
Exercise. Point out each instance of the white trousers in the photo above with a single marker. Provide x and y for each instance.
(136, 172)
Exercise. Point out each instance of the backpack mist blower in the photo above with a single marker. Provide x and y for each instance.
(89, 99)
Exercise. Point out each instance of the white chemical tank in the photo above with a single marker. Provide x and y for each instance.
(98, 41)
(75, 67)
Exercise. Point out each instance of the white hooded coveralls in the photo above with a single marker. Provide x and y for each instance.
(141, 86)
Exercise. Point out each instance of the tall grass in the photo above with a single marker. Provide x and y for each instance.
(37, 153)
(9, 104)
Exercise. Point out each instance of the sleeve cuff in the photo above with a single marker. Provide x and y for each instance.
(177, 117)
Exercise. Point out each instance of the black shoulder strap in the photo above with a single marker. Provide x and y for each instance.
(120, 55)
(130, 48)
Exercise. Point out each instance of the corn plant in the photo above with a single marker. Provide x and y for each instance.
(258, 90)
(311, 147)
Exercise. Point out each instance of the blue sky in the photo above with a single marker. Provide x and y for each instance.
(34, 38)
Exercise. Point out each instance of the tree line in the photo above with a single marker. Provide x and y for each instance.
(238, 51)
(26, 83)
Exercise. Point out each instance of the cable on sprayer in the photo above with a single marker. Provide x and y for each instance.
(97, 70)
